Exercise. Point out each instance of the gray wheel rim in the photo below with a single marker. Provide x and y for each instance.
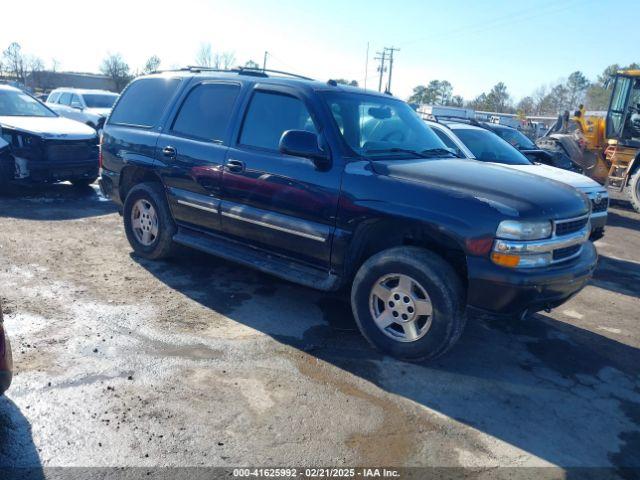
(401, 307)
(144, 222)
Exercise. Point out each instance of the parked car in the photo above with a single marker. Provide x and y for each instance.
(533, 152)
(43, 147)
(471, 141)
(91, 107)
(6, 361)
(303, 180)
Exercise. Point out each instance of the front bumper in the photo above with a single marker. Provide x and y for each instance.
(505, 291)
(6, 360)
(45, 172)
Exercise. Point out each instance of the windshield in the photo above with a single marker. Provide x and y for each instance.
(515, 138)
(18, 104)
(100, 100)
(383, 127)
(488, 147)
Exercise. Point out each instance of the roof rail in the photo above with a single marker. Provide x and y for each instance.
(256, 72)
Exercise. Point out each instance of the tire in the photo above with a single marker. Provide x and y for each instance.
(597, 234)
(428, 274)
(161, 244)
(633, 191)
(83, 182)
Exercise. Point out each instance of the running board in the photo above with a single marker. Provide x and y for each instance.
(254, 258)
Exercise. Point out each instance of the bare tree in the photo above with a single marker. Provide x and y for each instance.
(14, 62)
(204, 56)
(152, 64)
(227, 59)
(252, 64)
(114, 67)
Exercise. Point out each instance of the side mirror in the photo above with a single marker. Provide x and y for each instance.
(301, 143)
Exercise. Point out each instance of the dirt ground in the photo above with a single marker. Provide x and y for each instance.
(196, 361)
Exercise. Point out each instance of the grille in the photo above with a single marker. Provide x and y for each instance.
(600, 207)
(570, 226)
(71, 151)
(563, 253)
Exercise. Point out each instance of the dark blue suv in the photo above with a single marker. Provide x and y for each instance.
(338, 188)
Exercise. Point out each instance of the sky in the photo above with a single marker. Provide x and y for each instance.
(472, 44)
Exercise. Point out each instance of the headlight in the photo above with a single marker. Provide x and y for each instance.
(515, 230)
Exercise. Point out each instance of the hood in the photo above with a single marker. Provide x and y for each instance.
(49, 127)
(101, 112)
(513, 193)
(565, 176)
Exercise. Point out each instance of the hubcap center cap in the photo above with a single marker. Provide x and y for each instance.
(402, 306)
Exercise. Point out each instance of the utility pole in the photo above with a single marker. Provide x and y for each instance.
(264, 63)
(391, 50)
(382, 56)
(366, 68)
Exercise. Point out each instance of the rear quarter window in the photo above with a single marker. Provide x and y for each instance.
(144, 101)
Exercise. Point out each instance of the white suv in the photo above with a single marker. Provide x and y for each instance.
(87, 106)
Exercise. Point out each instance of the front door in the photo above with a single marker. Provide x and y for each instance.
(193, 150)
(274, 201)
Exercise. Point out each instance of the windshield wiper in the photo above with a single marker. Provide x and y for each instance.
(397, 150)
(428, 153)
(436, 152)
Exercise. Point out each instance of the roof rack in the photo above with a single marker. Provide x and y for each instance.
(256, 72)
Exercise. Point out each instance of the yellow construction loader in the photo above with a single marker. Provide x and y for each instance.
(611, 141)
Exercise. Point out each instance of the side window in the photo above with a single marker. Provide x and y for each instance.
(65, 99)
(144, 101)
(53, 97)
(206, 112)
(271, 114)
(75, 101)
(448, 142)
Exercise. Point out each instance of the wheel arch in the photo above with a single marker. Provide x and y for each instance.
(375, 236)
(132, 175)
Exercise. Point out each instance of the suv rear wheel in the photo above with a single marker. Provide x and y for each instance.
(409, 303)
(147, 221)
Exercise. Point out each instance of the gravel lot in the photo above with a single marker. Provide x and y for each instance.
(196, 361)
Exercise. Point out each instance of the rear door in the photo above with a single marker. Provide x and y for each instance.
(192, 151)
(274, 201)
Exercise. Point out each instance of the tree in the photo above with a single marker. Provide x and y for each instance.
(114, 67)
(577, 85)
(226, 60)
(152, 64)
(252, 64)
(343, 81)
(418, 95)
(14, 62)
(526, 106)
(498, 98)
(204, 56)
(456, 101)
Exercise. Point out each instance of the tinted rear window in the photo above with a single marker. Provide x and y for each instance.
(144, 101)
(206, 112)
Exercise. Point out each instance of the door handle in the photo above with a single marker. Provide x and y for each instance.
(234, 166)
(169, 152)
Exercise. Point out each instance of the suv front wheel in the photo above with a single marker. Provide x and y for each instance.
(409, 303)
(147, 221)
